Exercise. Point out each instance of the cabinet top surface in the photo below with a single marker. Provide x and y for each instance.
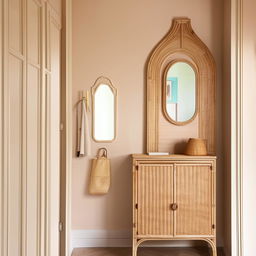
(171, 157)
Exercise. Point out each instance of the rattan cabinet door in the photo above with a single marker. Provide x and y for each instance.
(194, 196)
(155, 196)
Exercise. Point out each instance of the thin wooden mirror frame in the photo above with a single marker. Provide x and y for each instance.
(181, 42)
(166, 115)
(98, 82)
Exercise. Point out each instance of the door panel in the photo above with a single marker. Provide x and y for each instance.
(15, 25)
(54, 138)
(193, 195)
(33, 161)
(34, 36)
(30, 147)
(33, 110)
(14, 182)
(155, 194)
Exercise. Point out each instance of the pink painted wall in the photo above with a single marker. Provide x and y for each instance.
(114, 38)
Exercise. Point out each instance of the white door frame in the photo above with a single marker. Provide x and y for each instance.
(236, 127)
(66, 119)
(1, 127)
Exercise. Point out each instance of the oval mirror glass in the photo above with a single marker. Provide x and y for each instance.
(180, 93)
(104, 104)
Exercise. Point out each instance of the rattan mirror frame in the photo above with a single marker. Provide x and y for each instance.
(166, 115)
(182, 42)
(103, 80)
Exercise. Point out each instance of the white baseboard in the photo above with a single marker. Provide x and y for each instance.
(114, 238)
(101, 238)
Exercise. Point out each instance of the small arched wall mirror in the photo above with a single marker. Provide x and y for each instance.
(179, 92)
(104, 110)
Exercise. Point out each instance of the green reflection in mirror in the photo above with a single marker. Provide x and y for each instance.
(180, 92)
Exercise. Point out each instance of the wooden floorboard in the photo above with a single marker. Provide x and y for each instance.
(144, 251)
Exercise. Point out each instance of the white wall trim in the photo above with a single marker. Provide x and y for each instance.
(115, 238)
(69, 119)
(67, 24)
(236, 126)
(101, 238)
(1, 128)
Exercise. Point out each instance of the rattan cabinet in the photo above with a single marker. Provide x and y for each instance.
(174, 199)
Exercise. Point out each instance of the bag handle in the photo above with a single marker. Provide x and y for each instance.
(104, 154)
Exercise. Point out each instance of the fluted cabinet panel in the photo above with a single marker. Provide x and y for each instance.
(155, 195)
(193, 196)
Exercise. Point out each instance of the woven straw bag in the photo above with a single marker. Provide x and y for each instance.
(100, 174)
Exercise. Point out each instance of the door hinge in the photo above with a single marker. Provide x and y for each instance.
(60, 226)
(136, 206)
(136, 167)
(61, 126)
(211, 168)
(213, 226)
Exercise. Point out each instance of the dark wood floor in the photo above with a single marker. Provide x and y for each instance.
(144, 251)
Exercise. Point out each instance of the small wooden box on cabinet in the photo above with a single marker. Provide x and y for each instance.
(174, 199)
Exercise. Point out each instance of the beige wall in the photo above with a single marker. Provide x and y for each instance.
(114, 38)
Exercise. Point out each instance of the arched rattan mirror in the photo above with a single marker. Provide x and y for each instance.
(164, 128)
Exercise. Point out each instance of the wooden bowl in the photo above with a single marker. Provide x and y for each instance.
(196, 147)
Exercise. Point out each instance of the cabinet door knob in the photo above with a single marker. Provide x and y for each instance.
(174, 207)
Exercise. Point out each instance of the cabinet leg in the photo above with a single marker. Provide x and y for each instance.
(214, 251)
(134, 247)
(134, 251)
(213, 247)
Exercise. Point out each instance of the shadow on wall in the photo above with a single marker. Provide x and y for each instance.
(180, 147)
(217, 51)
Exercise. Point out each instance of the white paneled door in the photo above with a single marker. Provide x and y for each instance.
(54, 138)
(30, 121)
